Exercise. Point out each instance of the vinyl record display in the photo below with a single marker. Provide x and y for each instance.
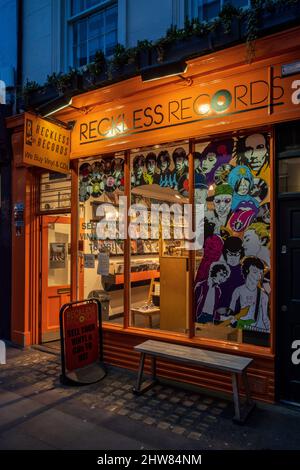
(85, 172)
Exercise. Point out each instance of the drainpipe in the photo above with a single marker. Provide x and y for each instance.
(19, 72)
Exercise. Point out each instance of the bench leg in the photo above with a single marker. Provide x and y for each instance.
(236, 398)
(153, 359)
(247, 389)
(241, 414)
(140, 387)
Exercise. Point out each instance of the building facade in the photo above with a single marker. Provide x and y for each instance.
(222, 134)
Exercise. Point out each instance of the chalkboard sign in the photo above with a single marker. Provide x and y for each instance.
(81, 343)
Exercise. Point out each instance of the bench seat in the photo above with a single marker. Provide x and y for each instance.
(233, 364)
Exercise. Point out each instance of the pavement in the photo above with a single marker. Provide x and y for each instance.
(37, 412)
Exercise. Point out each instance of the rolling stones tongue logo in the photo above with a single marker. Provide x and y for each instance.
(243, 216)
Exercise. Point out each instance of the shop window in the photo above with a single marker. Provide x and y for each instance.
(207, 10)
(101, 247)
(159, 256)
(55, 192)
(94, 27)
(232, 284)
(289, 175)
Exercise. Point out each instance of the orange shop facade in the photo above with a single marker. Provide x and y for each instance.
(224, 136)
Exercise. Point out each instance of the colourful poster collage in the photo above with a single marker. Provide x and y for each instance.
(232, 285)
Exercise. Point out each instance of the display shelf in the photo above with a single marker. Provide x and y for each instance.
(138, 276)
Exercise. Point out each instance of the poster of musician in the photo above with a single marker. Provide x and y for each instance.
(232, 283)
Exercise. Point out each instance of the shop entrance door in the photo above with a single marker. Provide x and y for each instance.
(289, 298)
(56, 273)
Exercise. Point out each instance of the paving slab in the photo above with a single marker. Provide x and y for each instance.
(37, 412)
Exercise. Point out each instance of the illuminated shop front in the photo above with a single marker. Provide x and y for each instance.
(142, 151)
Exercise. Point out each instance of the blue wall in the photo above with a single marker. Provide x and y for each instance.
(8, 40)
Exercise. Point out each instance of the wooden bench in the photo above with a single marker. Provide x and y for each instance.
(235, 365)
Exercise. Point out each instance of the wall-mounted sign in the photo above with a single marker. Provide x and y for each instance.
(89, 261)
(257, 95)
(81, 342)
(46, 144)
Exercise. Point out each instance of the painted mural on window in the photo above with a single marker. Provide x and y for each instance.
(168, 169)
(232, 284)
(101, 176)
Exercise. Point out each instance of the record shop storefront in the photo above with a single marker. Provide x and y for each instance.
(213, 140)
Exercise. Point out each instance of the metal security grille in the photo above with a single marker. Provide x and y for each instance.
(55, 192)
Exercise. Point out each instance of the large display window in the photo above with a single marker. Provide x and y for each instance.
(159, 256)
(101, 248)
(147, 216)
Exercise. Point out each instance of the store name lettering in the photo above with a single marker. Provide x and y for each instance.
(242, 98)
(52, 140)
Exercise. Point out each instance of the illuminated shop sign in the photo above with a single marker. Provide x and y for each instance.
(46, 144)
(254, 95)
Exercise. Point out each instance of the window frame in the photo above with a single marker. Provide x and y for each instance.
(190, 336)
(85, 14)
(191, 9)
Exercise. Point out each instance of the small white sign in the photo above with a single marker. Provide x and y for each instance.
(2, 352)
(103, 264)
(89, 261)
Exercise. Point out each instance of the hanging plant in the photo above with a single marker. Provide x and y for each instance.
(143, 49)
(252, 28)
(68, 82)
(98, 65)
(227, 15)
(94, 74)
(124, 62)
(30, 87)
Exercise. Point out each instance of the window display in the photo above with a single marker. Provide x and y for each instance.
(159, 187)
(232, 263)
(101, 183)
(232, 288)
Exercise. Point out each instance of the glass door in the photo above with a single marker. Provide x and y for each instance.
(56, 272)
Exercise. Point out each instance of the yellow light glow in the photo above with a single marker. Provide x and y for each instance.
(204, 108)
(59, 109)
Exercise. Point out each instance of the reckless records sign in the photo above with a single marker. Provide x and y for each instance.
(46, 144)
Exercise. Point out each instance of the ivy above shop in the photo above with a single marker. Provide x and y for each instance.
(196, 38)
